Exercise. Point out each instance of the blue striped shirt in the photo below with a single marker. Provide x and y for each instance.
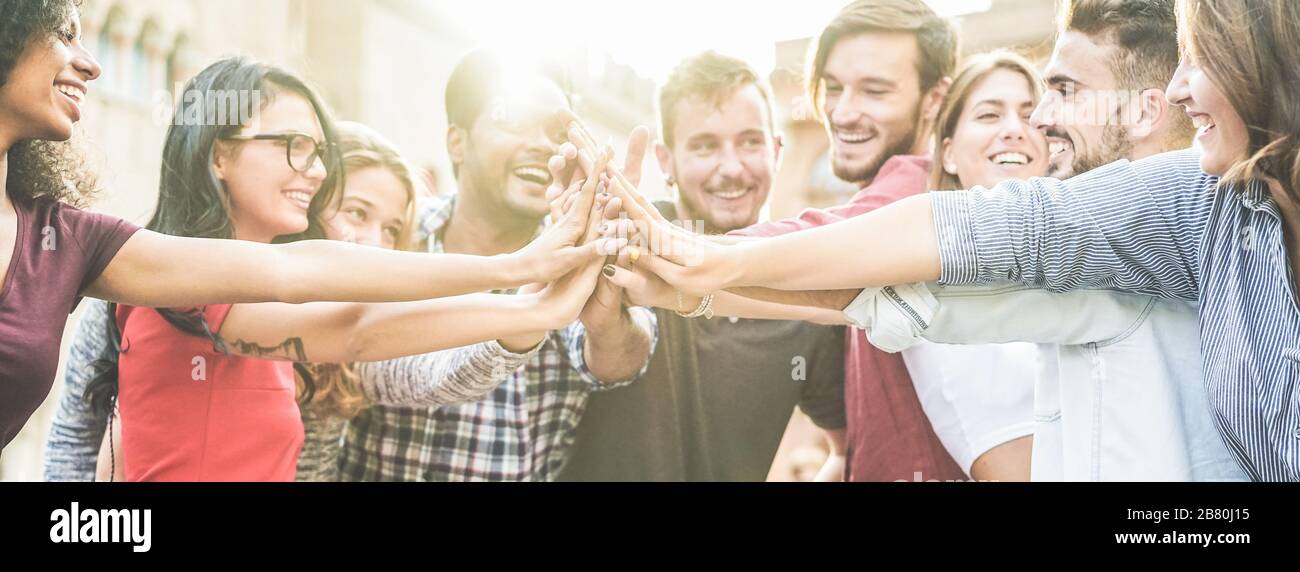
(1158, 226)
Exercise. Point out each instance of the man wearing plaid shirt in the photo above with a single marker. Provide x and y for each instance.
(499, 141)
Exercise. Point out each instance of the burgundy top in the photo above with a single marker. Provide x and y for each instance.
(58, 252)
(888, 435)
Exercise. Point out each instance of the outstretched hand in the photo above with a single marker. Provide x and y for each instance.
(567, 298)
(688, 262)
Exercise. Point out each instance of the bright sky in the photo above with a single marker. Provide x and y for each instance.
(652, 36)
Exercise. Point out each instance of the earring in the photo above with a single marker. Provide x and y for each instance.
(670, 181)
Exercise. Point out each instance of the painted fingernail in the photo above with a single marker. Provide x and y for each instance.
(608, 270)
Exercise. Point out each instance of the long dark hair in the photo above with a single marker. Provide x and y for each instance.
(192, 202)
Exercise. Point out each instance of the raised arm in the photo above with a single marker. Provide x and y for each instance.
(820, 300)
(646, 289)
(435, 379)
(898, 317)
(341, 332)
(698, 265)
(900, 238)
(1133, 226)
(330, 332)
(158, 270)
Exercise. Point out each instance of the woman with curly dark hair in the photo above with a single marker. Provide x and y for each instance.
(52, 253)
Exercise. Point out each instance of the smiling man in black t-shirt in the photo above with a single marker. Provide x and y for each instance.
(717, 397)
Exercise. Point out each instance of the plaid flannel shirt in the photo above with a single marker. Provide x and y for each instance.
(521, 431)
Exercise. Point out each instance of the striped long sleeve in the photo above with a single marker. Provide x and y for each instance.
(439, 378)
(1135, 226)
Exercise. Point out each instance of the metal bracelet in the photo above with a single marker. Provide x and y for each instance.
(704, 309)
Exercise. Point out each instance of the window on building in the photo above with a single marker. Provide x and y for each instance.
(144, 76)
(108, 51)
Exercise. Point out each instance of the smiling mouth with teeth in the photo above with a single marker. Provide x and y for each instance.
(535, 175)
(1010, 158)
(1057, 147)
(73, 92)
(733, 194)
(852, 137)
(301, 198)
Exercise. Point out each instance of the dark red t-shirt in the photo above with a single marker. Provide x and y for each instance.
(59, 251)
(888, 435)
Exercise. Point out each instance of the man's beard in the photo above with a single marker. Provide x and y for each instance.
(900, 145)
(1115, 145)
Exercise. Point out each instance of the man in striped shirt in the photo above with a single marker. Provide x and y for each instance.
(1121, 396)
(1141, 349)
(1161, 226)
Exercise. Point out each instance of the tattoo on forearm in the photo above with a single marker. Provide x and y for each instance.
(290, 349)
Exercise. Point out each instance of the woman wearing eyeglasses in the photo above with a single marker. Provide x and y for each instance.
(378, 208)
(52, 254)
(189, 409)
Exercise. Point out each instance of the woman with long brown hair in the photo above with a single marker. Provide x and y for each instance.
(193, 402)
(377, 208)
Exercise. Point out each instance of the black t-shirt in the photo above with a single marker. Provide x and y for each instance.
(714, 402)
